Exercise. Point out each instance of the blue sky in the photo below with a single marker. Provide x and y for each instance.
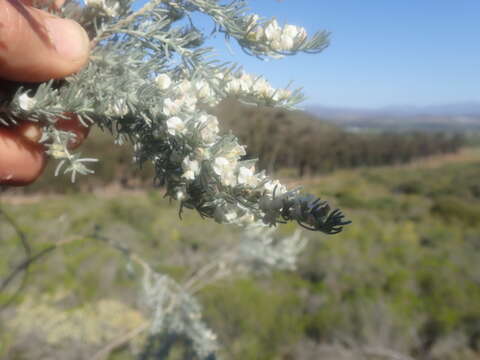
(382, 53)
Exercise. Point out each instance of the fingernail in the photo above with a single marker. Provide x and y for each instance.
(68, 37)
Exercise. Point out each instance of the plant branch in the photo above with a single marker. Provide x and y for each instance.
(103, 34)
(29, 258)
(120, 341)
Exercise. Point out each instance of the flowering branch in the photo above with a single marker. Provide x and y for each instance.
(152, 83)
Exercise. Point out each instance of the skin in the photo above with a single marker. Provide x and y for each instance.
(35, 46)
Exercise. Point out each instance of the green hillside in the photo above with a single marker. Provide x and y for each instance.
(402, 280)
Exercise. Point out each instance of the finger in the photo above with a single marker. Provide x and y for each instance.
(22, 159)
(37, 46)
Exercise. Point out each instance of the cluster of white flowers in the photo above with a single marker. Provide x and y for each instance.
(102, 6)
(202, 125)
(280, 39)
(186, 120)
(245, 84)
(223, 159)
(184, 96)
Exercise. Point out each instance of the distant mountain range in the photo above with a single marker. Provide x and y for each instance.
(448, 117)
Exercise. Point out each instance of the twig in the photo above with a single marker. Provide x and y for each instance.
(22, 236)
(28, 252)
(23, 266)
(29, 259)
(120, 341)
(385, 353)
(123, 23)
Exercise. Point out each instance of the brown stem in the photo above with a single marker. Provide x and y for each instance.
(120, 341)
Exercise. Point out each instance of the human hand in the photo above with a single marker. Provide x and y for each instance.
(35, 46)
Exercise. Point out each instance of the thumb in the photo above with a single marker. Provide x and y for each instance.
(37, 46)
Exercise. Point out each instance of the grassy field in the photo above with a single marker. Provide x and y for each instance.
(401, 282)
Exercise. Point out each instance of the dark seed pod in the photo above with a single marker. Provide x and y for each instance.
(309, 211)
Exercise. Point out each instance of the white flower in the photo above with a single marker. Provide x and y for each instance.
(256, 34)
(224, 168)
(230, 216)
(219, 75)
(290, 31)
(246, 82)
(243, 84)
(176, 126)
(273, 31)
(180, 195)
(187, 103)
(286, 38)
(100, 4)
(191, 168)
(184, 87)
(263, 88)
(221, 165)
(246, 176)
(208, 128)
(225, 214)
(292, 35)
(204, 91)
(57, 151)
(163, 81)
(26, 102)
(233, 86)
(236, 152)
(286, 42)
(274, 185)
(281, 94)
(171, 107)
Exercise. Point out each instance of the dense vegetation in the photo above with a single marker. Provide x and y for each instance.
(296, 140)
(401, 282)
